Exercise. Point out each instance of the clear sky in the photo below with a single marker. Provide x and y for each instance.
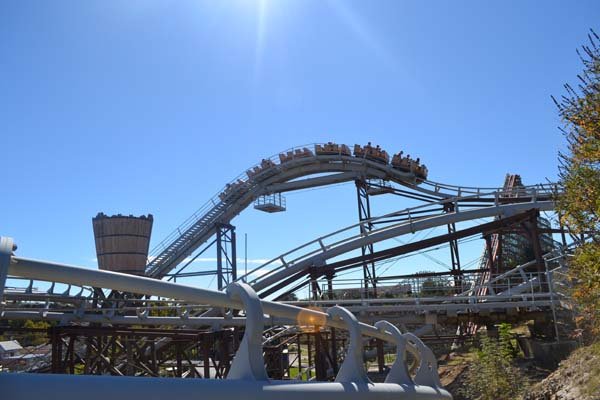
(151, 106)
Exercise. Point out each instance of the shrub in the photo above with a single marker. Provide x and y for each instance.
(493, 374)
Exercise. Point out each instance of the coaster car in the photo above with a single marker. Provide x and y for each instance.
(421, 172)
(401, 163)
(234, 191)
(297, 153)
(369, 152)
(265, 165)
(332, 149)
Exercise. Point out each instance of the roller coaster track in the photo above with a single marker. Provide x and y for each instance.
(516, 288)
(316, 252)
(283, 177)
(296, 173)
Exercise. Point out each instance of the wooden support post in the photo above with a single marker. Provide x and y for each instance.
(129, 355)
(334, 351)
(310, 361)
(71, 354)
(380, 355)
(499, 258)
(206, 354)
(299, 356)
(153, 355)
(56, 350)
(178, 359)
(320, 364)
(490, 253)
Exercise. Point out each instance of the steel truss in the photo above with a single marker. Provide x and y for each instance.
(364, 218)
(509, 223)
(226, 255)
(226, 269)
(453, 244)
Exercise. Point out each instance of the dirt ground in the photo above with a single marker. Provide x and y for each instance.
(453, 373)
(577, 377)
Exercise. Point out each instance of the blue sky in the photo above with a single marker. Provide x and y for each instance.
(151, 106)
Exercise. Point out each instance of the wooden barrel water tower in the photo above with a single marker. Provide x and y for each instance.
(122, 242)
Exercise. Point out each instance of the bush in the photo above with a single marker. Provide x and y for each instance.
(493, 374)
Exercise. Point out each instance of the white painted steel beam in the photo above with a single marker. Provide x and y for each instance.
(356, 242)
(54, 272)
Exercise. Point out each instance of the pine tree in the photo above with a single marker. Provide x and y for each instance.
(579, 178)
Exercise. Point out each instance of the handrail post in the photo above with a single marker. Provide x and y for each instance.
(248, 363)
(352, 369)
(398, 373)
(427, 373)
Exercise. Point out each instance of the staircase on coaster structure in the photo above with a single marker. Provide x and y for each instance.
(179, 247)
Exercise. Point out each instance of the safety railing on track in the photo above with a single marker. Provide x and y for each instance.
(215, 207)
(558, 255)
(319, 244)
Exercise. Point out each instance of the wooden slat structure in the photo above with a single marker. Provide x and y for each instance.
(122, 242)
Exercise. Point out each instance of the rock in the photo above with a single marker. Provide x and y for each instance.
(573, 380)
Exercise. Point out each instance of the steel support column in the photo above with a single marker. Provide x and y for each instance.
(364, 213)
(454, 255)
(226, 255)
(329, 275)
(314, 284)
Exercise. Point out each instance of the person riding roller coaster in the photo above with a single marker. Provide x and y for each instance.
(332, 149)
(295, 154)
(369, 152)
(234, 190)
(405, 164)
(376, 154)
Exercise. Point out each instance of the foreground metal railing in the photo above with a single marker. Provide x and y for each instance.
(247, 376)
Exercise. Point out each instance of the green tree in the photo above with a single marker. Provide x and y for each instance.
(25, 338)
(579, 177)
(436, 286)
(493, 374)
(35, 338)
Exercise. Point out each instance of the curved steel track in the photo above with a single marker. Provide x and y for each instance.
(316, 170)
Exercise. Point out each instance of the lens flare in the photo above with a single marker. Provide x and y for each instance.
(309, 321)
